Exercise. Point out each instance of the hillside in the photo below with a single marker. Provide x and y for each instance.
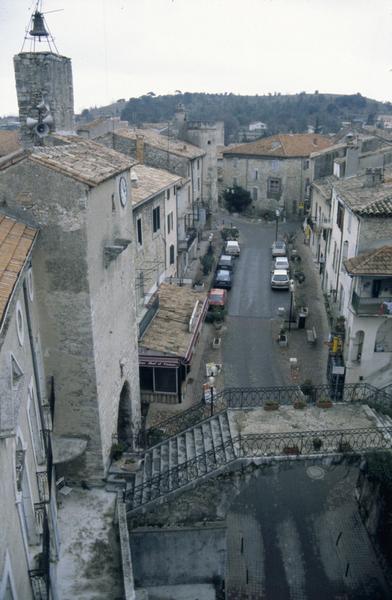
(281, 113)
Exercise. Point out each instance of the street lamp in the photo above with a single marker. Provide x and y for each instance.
(277, 215)
(292, 289)
(211, 381)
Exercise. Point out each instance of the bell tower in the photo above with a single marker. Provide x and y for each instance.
(43, 85)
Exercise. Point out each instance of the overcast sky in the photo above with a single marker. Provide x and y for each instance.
(125, 48)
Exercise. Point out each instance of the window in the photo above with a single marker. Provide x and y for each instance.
(35, 426)
(254, 194)
(235, 181)
(344, 254)
(235, 163)
(172, 254)
(349, 221)
(158, 379)
(19, 322)
(156, 219)
(169, 222)
(334, 256)
(16, 372)
(340, 216)
(189, 195)
(141, 287)
(274, 186)
(198, 184)
(30, 285)
(256, 174)
(198, 164)
(306, 164)
(139, 232)
(168, 194)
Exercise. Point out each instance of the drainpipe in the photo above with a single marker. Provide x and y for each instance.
(33, 350)
(340, 259)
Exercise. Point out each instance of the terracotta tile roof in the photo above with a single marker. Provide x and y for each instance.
(16, 240)
(82, 159)
(324, 185)
(373, 201)
(9, 142)
(374, 262)
(169, 331)
(283, 145)
(155, 139)
(150, 182)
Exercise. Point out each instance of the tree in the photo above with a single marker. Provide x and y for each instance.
(236, 198)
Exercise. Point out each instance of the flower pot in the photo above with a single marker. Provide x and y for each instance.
(324, 403)
(299, 404)
(291, 450)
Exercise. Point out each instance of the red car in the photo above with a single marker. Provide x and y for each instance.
(217, 297)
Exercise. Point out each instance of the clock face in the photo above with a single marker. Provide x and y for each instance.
(123, 190)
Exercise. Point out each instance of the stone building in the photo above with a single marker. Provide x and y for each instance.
(78, 193)
(154, 200)
(208, 135)
(356, 276)
(275, 170)
(28, 509)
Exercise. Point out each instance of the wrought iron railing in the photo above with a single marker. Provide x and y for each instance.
(260, 445)
(371, 306)
(40, 577)
(258, 397)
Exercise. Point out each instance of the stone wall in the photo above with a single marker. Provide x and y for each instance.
(252, 173)
(20, 427)
(87, 312)
(44, 76)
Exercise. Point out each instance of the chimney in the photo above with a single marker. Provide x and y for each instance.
(378, 176)
(369, 178)
(140, 148)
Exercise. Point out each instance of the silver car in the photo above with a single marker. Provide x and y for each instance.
(279, 248)
(280, 280)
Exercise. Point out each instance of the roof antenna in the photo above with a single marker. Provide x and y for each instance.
(38, 28)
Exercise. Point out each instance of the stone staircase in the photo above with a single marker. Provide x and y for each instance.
(182, 460)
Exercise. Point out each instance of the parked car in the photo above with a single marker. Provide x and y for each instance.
(279, 248)
(280, 280)
(223, 279)
(232, 247)
(281, 262)
(225, 263)
(217, 298)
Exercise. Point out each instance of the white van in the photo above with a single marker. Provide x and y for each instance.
(232, 248)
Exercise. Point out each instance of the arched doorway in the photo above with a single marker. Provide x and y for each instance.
(125, 428)
(358, 346)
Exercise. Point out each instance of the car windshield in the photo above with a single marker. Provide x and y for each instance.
(281, 278)
(223, 275)
(216, 297)
(279, 245)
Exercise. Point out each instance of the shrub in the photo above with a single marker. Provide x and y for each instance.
(237, 199)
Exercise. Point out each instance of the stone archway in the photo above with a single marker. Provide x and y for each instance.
(125, 426)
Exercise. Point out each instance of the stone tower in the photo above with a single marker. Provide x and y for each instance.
(45, 95)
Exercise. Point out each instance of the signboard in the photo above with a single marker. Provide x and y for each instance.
(338, 370)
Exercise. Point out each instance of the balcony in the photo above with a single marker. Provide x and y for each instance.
(372, 307)
(184, 245)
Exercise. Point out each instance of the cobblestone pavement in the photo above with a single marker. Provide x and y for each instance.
(291, 536)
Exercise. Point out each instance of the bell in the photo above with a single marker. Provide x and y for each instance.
(38, 26)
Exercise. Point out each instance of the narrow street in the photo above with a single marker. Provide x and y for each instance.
(249, 341)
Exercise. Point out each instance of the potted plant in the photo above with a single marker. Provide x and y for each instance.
(271, 405)
(117, 450)
(317, 444)
(344, 446)
(283, 338)
(291, 450)
(299, 403)
(324, 402)
(307, 388)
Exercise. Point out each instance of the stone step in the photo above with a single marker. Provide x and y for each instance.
(190, 445)
(208, 445)
(226, 437)
(198, 437)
